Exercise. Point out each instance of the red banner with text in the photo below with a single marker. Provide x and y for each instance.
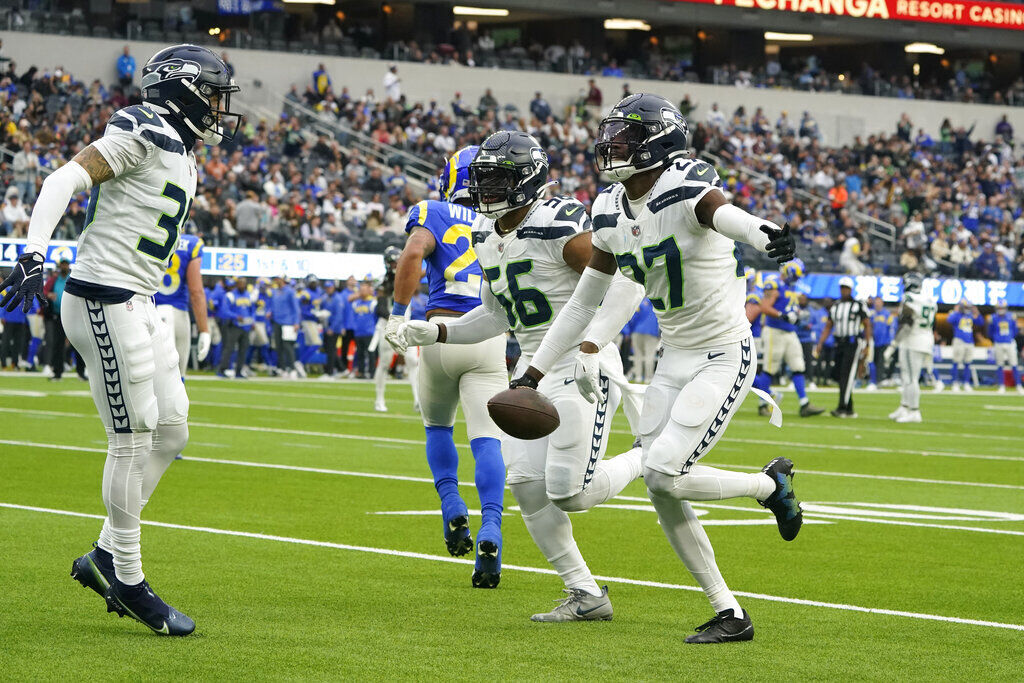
(1000, 15)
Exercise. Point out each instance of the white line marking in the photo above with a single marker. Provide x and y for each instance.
(534, 570)
(244, 463)
(991, 407)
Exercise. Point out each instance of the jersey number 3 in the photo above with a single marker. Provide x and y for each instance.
(168, 223)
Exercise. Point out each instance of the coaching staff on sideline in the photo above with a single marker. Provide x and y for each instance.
(850, 324)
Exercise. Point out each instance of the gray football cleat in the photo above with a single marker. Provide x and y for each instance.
(579, 605)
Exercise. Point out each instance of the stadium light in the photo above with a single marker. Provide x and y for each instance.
(924, 48)
(626, 25)
(479, 11)
(788, 37)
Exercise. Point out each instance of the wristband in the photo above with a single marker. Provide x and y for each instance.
(399, 309)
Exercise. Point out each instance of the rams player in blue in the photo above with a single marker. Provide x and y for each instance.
(781, 308)
(965, 321)
(752, 306)
(1002, 330)
(440, 234)
(181, 288)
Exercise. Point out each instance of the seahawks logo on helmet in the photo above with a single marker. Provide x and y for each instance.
(912, 282)
(193, 87)
(510, 171)
(642, 132)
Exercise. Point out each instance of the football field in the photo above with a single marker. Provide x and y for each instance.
(301, 533)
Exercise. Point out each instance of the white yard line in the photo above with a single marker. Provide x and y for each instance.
(244, 463)
(533, 570)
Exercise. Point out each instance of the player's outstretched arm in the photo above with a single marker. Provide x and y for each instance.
(197, 300)
(715, 211)
(25, 282)
(484, 322)
(420, 245)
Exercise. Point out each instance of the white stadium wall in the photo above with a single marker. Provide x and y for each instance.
(840, 117)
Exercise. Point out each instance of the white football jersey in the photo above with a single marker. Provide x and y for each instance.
(133, 220)
(692, 274)
(525, 269)
(918, 335)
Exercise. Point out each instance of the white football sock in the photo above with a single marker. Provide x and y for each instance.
(687, 537)
(710, 483)
(551, 531)
(122, 495)
(380, 375)
(168, 441)
(610, 477)
(412, 370)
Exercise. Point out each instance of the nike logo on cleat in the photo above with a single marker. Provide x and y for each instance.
(712, 356)
(584, 612)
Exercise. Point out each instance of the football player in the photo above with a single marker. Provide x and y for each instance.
(385, 351)
(532, 253)
(440, 234)
(882, 328)
(180, 289)
(1002, 330)
(147, 171)
(668, 226)
(781, 308)
(914, 339)
(964, 319)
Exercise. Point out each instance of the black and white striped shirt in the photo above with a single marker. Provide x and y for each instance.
(847, 319)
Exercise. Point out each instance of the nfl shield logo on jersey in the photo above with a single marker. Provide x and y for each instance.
(129, 306)
(635, 230)
(501, 247)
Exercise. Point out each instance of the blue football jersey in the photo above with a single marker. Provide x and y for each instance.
(173, 290)
(1003, 328)
(754, 296)
(789, 300)
(453, 273)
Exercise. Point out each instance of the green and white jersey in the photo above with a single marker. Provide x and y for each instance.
(525, 269)
(692, 274)
(918, 335)
(133, 220)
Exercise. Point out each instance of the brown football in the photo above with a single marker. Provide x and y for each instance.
(523, 413)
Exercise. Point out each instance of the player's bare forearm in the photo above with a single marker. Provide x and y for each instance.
(768, 304)
(577, 251)
(197, 295)
(94, 164)
(408, 273)
(706, 207)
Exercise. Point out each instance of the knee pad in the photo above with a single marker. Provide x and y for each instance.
(659, 483)
(531, 496)
(170, 438)
(574, 503)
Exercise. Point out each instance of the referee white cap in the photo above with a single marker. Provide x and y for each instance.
(846, 282)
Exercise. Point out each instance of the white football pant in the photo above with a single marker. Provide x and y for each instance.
(137, 389)
(911, 364)
(466, 373)
(385, 355)
(180, 327)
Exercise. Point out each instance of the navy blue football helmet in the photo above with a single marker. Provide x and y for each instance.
(643, 131)
(194, 85)
(509, 171)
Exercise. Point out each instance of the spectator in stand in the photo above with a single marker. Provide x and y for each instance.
(321, 81)
(125, 68)
(715, 117)
(392, 84)
(488, 103)
(593, 100)
(612, 70)
(26, 171)
(539, 107)
(989, 264)
(1004, 129)
(15, 218)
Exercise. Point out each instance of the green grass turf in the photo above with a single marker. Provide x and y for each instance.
(274, 609)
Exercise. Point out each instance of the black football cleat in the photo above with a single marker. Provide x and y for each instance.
(487, 573)
(143, 605)
(783, 503)
(724, 628)
(94, 570)
(457, 537)
(810, 410)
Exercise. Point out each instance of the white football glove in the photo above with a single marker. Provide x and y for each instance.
(393, 335)
(202, 346)
(588, 376)
(418, 333)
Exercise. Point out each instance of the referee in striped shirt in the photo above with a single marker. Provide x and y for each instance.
(850, 323)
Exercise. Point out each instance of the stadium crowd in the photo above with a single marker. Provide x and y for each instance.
(955, 203)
